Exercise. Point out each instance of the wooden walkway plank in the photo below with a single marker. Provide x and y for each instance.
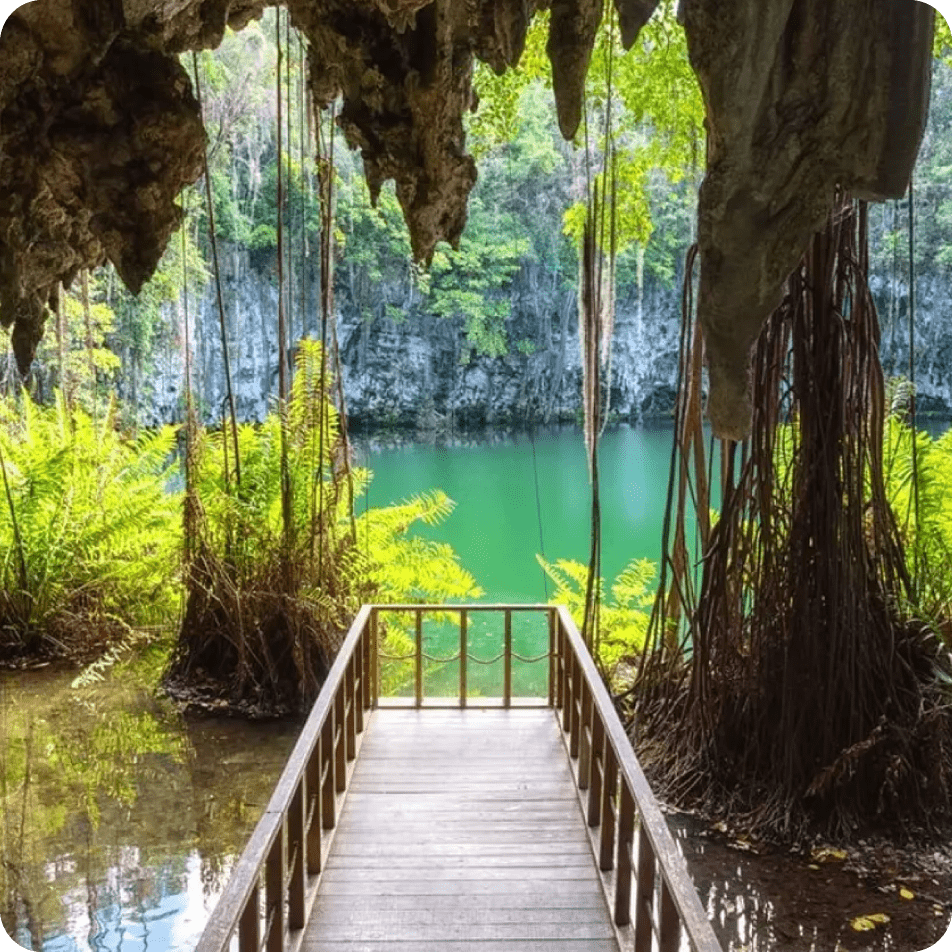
(442, 945)
(461, 832)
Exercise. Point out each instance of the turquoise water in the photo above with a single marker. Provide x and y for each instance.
(500, 524)
(495, 527)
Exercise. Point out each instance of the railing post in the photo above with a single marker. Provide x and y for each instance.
(350, 708)
(575, 695)
(374, 657)
(274, 892)
(507, 661)
(559, 663)
(626, 829)
(297, 847)
(328, 803)
(418, 660)
(463, 649)
(565, 664)
(340, 740)
(360, 684)
(249, 925)
(597, 759)
(312, 814)
(551, 617)
(644, 894)
(670, 927)
(606, 844)
(585, 743)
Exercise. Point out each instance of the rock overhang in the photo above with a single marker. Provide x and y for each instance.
(100, 129)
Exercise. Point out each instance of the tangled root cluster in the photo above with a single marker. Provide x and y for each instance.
(810, 700)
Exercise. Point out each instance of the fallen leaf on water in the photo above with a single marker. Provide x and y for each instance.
(743, 845)
(827, 854)
(865, 923)
(906, 893)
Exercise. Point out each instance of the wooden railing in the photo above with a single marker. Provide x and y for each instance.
(507, 654)
(651, 895)
(290, 844)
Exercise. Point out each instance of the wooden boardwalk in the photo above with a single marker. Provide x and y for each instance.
(466, 824)
(462, 830)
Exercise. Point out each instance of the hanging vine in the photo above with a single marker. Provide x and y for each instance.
(790, 692)
(596, 306)
(210, 206)
(287, 503)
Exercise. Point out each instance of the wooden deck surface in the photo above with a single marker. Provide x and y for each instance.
(461, 832)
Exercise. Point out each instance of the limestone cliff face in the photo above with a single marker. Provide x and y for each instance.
(409, 373)
(932, 339)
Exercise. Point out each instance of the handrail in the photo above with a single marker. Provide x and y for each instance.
(507, 654)
(287, 845)
(666, 903)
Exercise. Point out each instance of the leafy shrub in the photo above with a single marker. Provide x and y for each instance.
(623, 620)
(88, 541)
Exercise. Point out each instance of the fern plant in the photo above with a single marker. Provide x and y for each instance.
(278, 565)
(920, 496)
(87, 532)
(623, 618)
(404, 568)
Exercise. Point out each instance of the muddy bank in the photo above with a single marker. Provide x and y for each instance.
(773, 901)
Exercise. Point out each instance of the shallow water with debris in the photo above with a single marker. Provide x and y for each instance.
(122, 820)
(872, 897)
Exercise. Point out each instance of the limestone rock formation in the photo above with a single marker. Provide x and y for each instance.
(98, 135)
(802, 97)
(99, 129)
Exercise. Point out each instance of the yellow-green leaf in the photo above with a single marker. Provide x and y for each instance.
(827, 854)
(867, 923)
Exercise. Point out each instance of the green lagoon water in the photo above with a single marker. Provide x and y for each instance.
(492, 479)
(129, 820)
(495, 527)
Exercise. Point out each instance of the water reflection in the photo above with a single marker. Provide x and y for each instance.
(121, 820)
(780, 901)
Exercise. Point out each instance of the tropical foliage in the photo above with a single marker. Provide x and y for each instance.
(73, 356)
(919, 488)
(88, 541)
(623, 614)
(277, 561)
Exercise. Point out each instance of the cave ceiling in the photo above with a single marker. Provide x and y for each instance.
(100, 129)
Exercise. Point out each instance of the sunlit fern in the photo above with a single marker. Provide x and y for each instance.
(623, 617)
(267, 607)
(94, 548)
